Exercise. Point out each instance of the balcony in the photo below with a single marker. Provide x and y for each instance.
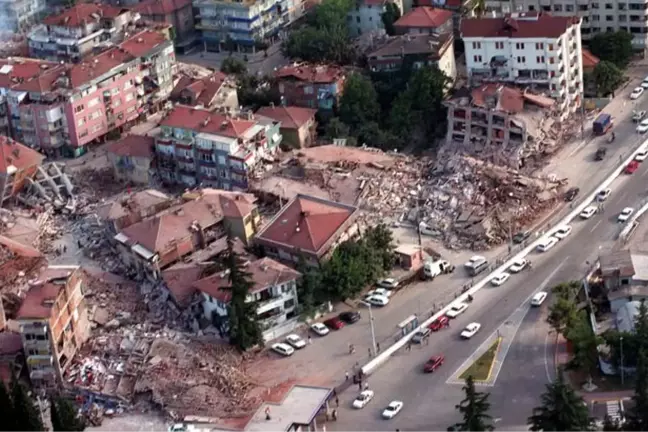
(276, 301)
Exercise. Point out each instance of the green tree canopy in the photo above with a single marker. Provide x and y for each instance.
(389, 17)
(7, 422)
(561, 410)
(607, 77)
(359, 102)
(64, 415)
(233, 65)
(614, 47)
(474, 409)
(26, 416)
(584, 344)
(335, 128)
(637, 416)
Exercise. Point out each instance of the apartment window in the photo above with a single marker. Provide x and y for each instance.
(81, 121)
(130, 110)
(79, 108)
(569, 8)
(531, 8)
(521, 59)
(595, 18)
(623, 18)
(546, 8)
(553, 74)
(595, 5)
(289, 303)
(41, 337)
(93, 102)
(358, 19)
(32, 352)
(519, 46)
(540, 59)
(478, 59)
(552, 60)
(499, 45)
(129, 97)
(539, 46)
(609, 18)
(609, 6)
(557, 8)
(29, 336)
(308, 90)
(476, 45)
(83, 134)
(95, 115)
(582, 8)
(97, 128)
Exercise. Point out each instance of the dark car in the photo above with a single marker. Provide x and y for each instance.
(334, 323)
(350, 317)
(571, 194)
(439, 323)
(600, 154)
(521, 236)
(432, 364)
(420, 335)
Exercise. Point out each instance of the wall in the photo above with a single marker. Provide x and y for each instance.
(447, 63)
(365, 18)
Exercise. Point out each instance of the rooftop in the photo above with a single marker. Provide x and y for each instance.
(232, 204)
(589, 59)
(130, 203)
(83, 14)
(180, 278)
(42, 294)
(161, 7)
(291, 117)
(307, 223)
(201, 120)
(519, 25)
(264, 272)
(202, 90)
(133, 146)
(142, 43)
(412, 44)
(93, 67)
(425, 17)
(508, 99)
(16, 157)
(617, 262)
(311, 73)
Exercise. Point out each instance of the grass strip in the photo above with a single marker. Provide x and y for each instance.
(482, 367)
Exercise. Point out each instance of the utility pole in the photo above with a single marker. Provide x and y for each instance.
(622, 370)
(373, 330)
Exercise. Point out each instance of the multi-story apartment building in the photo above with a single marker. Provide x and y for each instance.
(213, 91)
(597, 17)
(198, 146)
(366, 16)
(78, 31)
(178, 13)
(20, 15)
(18, 164)
(310, 86)
(531, 49)
(61, 108)
(243, 22)
(53, 322)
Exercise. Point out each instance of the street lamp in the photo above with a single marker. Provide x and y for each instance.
(371, 323)
(622, 373)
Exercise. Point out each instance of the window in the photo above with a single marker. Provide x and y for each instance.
(83, 134)
(531, 8)
(95, 115)
(32, 352)
(308, 90)
(97, 128)
(609, 18)
(93, 102)
(569, 8)
(478, 59)
(595, 18)
(499, 45)
(79, 108)
(358, 19)
(595, 5)
(519, 46)
(476, 45)
(81, 121)
(130, 110)
(539, 46)
(553, 74)
(29, 336)
(521, 59)
(557, 8)
(551, 47)
(552, 60)
(609, 6)
(289, 303)
(129, 97)
(540, 59)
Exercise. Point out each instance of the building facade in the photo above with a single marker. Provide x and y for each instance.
(18, 164)
(131, 158)
(213, 91)
(198, 146)
(539, 51)
(366, 17)
(53, 322)
(20, 15)
(310, 86)
(177, 13)
(298, 125)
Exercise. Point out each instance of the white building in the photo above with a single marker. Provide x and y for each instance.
(538, 51)
(630, 16)
(366, 17)
(275, 291)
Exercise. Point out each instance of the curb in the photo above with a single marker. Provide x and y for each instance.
(497, 341)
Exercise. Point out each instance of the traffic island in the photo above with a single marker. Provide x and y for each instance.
(482, 368)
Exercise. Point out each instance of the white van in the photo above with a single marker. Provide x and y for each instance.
(546, 244)
(538, 298)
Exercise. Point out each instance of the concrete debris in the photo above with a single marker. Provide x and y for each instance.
(50, 187)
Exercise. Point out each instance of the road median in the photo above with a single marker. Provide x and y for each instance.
(482, 368)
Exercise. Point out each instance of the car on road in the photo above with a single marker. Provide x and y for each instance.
(379, 291)
(641, 155)
(334, 323)
(295, 341)
(603, 195)
(538, 298)
(600, 154)
(433, 363)
(283, 349)
(350, 317)
(625, 214)
(320, 329)
(588, 212)
(476, 264)
(456, 310)
(377, 300)
(571, 194)
(420, 335)
(546, 244)
(632, 167)
(644, 83)
(470, 330)
(500, 279)
(518, 265)
(638, 115)
(439, 323)
(363, 399)
(178, 427)
(521, 236)
(636, 93)
(392, 409)
(563, 232)
(389, 283)
(642, 127)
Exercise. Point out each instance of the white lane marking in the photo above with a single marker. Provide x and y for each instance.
(578, 148)
(595, 225)
(546, 363)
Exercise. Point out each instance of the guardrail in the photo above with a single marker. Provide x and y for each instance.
(381, 358)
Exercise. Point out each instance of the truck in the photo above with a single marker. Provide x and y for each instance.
(432, 269)
(602, 124)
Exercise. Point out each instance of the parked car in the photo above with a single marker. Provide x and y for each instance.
(392, 409)
(642, 127)
(470, 330)
(500, 279)
(563, 232)
(439, 323)
(334, 323)
(350, 317)
(319, 329)
(518, 265)
(644, 83)
(389, 283)
(588, 212)
(521, 236)
(377, 300)
(632, 167)
(539, 298)
(641, 155)
(363, 399)
(456, 310)
(433, 363)
(420, 335)
(295, 341)
(625, 214)
(636, 93)
(283, 349)
(571, 194)
(379, 291)
(603, 195)
(546, 244)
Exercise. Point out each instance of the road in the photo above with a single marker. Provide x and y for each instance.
(429, 401)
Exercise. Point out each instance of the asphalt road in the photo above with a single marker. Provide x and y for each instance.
(429, 401)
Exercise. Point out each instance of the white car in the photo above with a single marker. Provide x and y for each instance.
(475, 259)
(642, 155)
(500, 279)
(588, 212)
(470, 330)
(295, 341)
(379, 291)
(392, 409)
(625, 214)
(563, 232)
(320, 329)
(377, 300)
(456, 310)
(178, 427)
(643, 127)
(636, 93)
(546, 244)
(518, 265)
(363, 399)
(283, 349)
(644, 83)
(388, 283)
(603, 195)
(539, 298)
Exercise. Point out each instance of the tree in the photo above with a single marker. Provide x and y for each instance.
(380, 238)
(561, 314)
(611, 425)
(309, 288)
(389, 17)
(561, 410)
(607, 77)
(474, 409)
(359, 102)
(567, 290)
(64, 416)
(233, 66)
(637, 417)
(244, 331)
(256, 92)
(25, 414)
(6, 406)
(614, 47)
(584, 343)
(336, 129)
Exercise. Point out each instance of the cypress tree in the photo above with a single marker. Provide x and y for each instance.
(26, 415)
(6, 407)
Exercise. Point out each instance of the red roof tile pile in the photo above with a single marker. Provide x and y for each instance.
(133, 146)
(291, 117)
(201, 90)
(318, 74)
(42, 294)
(12, 153)
(498, 97)
(83, 14)
(524, 25)
(201, 120)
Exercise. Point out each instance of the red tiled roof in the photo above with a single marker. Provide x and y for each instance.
(264, 272)
(508, 99)
(203, 90)
(161, 7)
(139, 203)
(424, 16)
(291, 117)
(39, 300)
(179, 279)
(589, 59)
(133, 146)
(232, 204)
(526, 25)
(311, 73)
(33, 75)
(306, 223)
(81, 14)
(200, 120)
(143, 42)
(12, 153)
(94, 67)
